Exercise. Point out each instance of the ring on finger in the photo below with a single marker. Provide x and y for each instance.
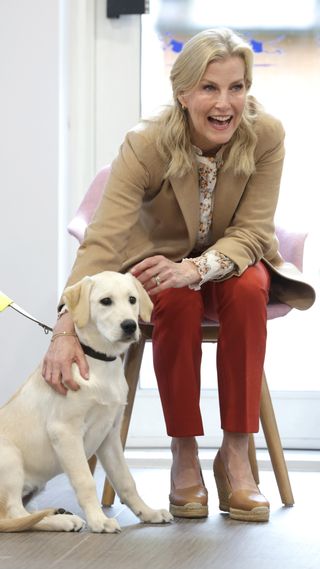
(157, 280)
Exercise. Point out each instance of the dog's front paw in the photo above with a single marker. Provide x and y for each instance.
(102, 524)
(156, 516)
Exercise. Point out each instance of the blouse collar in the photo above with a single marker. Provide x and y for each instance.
(217, 158)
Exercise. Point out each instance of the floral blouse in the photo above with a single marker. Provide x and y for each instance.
(212, 265)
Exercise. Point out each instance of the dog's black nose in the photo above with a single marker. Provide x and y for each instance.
(128, 326)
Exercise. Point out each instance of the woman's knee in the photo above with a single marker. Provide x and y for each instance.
(251, 288)
(254, 281)
(179, 305)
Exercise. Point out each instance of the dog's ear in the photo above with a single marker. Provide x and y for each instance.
(145, 303)
(76, 298)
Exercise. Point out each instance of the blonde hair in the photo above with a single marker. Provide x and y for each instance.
(174, 142)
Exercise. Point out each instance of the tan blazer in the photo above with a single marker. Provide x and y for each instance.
(143, 214)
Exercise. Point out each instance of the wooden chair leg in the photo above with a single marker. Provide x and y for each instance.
(273, 441)
(92, 463)
(253, 459)
(132, 365)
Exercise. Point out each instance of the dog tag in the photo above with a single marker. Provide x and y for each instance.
(5, 301)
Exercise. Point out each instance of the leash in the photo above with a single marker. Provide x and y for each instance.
(5, 301)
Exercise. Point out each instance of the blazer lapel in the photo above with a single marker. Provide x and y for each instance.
(186, 190)
(228, 192)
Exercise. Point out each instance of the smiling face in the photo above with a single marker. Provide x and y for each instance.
(216, 104)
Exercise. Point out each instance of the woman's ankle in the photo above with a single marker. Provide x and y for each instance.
(185, 470)
(234, 445)
(184, 445)
(234, 453)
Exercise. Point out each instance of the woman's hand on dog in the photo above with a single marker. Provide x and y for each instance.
(62, 353)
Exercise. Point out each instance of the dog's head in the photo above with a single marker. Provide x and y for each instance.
(109, 304)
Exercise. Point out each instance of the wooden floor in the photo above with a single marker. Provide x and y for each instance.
(291, 540)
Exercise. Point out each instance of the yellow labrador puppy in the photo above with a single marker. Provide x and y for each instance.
(43, 433)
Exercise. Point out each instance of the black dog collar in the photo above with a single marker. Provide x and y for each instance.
(97, 355)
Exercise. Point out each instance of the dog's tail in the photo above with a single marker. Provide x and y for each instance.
(24, 523)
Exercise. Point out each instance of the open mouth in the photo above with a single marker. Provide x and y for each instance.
(220, 120)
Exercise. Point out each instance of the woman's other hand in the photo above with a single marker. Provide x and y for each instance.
(158, 273)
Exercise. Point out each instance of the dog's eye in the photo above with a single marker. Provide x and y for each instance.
(132, 299)
(106, 301)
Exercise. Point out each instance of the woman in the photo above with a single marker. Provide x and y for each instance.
(189, 209)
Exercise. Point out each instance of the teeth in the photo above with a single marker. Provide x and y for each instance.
(221, 118)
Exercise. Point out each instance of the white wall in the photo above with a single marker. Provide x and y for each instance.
(117, 81)
(29, 33)
(51, 100)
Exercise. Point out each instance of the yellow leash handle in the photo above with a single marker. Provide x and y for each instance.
(5, 301)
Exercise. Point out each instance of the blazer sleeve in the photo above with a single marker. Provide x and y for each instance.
(251, 234)
(107, 235)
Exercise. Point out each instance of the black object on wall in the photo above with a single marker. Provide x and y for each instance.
(116, 8)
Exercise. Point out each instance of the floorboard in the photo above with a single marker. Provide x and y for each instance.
(290, 540)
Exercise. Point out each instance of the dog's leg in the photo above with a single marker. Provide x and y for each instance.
(13, 514)
(111, 456)
(69, 448)
(11, 482)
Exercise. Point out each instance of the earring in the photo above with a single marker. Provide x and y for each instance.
(184, 108)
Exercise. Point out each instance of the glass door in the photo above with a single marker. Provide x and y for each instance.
(285, 38)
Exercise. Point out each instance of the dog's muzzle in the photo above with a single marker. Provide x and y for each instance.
(129, 327)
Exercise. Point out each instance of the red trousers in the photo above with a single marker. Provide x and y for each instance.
(239, 305)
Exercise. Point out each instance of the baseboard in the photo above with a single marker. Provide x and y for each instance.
(297, 460)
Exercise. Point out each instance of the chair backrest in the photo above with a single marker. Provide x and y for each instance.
(291, 244)
(89, 204)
